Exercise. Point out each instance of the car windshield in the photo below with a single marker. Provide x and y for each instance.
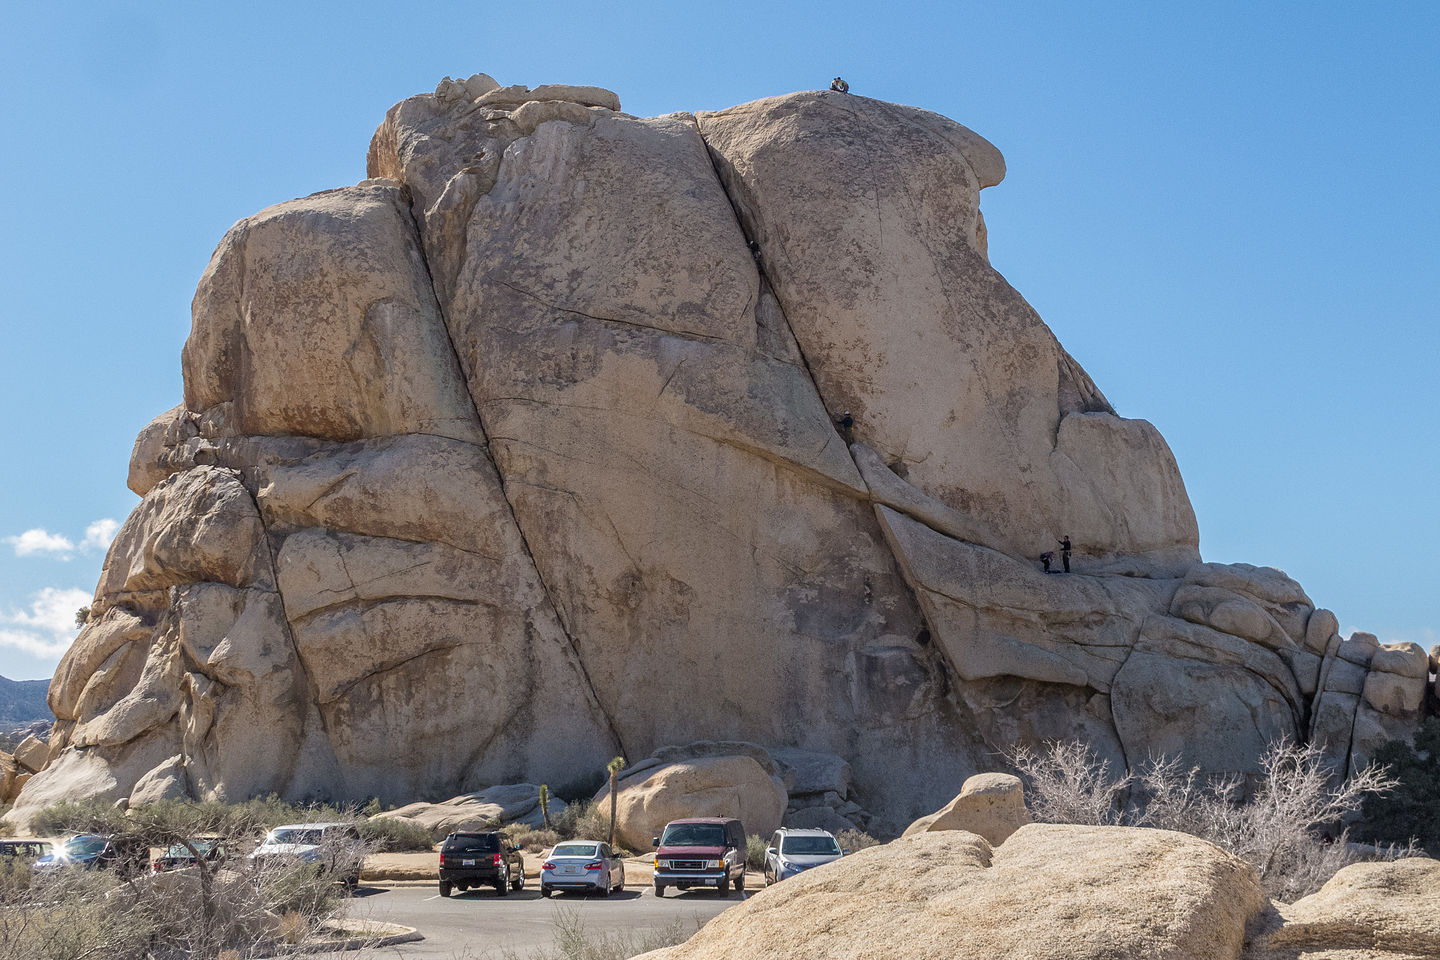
(178, 851)
(302, 835)
(576, 850)
(693, 835)
(485, 843)
(809, 846)
(82, 847)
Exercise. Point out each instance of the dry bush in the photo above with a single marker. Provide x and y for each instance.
(574, 942)
(200, 912)
(528, 838)
(1067, 782)
(1289, 826)
(853, 841)
(582, 821)
(394, 835)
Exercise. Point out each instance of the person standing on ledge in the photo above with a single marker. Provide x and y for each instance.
(1065, 552)
(839, 86)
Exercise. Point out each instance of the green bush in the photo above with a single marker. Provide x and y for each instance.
(393, 835)
(1412, 809)
(755, 847)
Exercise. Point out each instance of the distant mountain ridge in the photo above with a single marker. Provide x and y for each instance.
(23, 702)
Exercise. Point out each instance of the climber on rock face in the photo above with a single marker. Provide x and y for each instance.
(1065, 552)
(846, 423)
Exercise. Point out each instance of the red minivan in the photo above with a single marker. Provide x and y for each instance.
(700, 852)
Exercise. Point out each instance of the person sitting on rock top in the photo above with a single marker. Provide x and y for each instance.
(1065, 552)
(839, 86)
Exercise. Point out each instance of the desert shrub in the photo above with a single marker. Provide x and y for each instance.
(1067, 782)
(582, 821)
(853, 841)
(394, 835)
(83, 816)
(573, 942)
(755, 847)
(1288, 827)
(530, 839)
(1412, 809)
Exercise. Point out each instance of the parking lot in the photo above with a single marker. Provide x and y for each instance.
(478, 924)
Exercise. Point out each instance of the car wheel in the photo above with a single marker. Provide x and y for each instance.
(659, 889)
(502, 889)
(519, 883)
(724, 888)
(740, 884)
(545, 892)
(603, 890)
(444, 889)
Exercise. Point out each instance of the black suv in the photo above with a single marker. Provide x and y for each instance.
(480, 860)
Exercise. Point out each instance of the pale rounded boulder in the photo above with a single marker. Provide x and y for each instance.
(1379, 910)
(1050, 893)
(735, 786)
(990, 805)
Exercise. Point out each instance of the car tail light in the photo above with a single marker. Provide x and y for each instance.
(547, 865)
(157, 866)
(497, 859)
(442, 859)
(594, 866)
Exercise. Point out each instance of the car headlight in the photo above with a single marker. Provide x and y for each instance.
(714, 864)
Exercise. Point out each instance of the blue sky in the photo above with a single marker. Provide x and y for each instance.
(1228, 212)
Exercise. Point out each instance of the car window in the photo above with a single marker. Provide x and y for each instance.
(84, 847)
(574, 850)
(693, 835)
(481, 843)
(810, 846)
(309, 836)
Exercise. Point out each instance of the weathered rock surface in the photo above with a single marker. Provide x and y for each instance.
(990, 805)
(1048, 893)
(718, 786)
(481, 810)
(1378, 910)
(524, 453)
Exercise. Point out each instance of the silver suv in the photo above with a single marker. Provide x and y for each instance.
(793, 851)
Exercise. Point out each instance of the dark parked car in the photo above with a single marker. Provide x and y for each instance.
(480, 860)
(127, 856)
(212, 850)
(700, 852)
(23, 850)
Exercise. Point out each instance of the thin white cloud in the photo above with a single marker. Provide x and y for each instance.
(34, 644)
(99, 534)
(47, 629)
(41, 542)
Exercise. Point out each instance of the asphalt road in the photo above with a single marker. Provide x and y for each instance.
(478, 925)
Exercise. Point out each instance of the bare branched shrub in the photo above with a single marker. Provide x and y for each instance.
(1067, 782)
(1289, 826)
(582, 821)
(203, 911)
(528, 838)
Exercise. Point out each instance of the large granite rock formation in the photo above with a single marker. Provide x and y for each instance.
(524, 453)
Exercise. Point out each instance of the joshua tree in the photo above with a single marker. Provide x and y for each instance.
(614, 766)
(545, 804)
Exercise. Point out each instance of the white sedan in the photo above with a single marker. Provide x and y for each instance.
(586, 865)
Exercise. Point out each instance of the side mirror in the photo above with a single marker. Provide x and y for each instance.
(655, 841)
(770, 850)
(844, 853)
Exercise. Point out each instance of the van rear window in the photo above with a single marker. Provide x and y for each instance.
(485, 843)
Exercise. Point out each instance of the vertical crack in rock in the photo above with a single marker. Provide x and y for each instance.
(311, 687)
(814, 383)
(560, 618)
